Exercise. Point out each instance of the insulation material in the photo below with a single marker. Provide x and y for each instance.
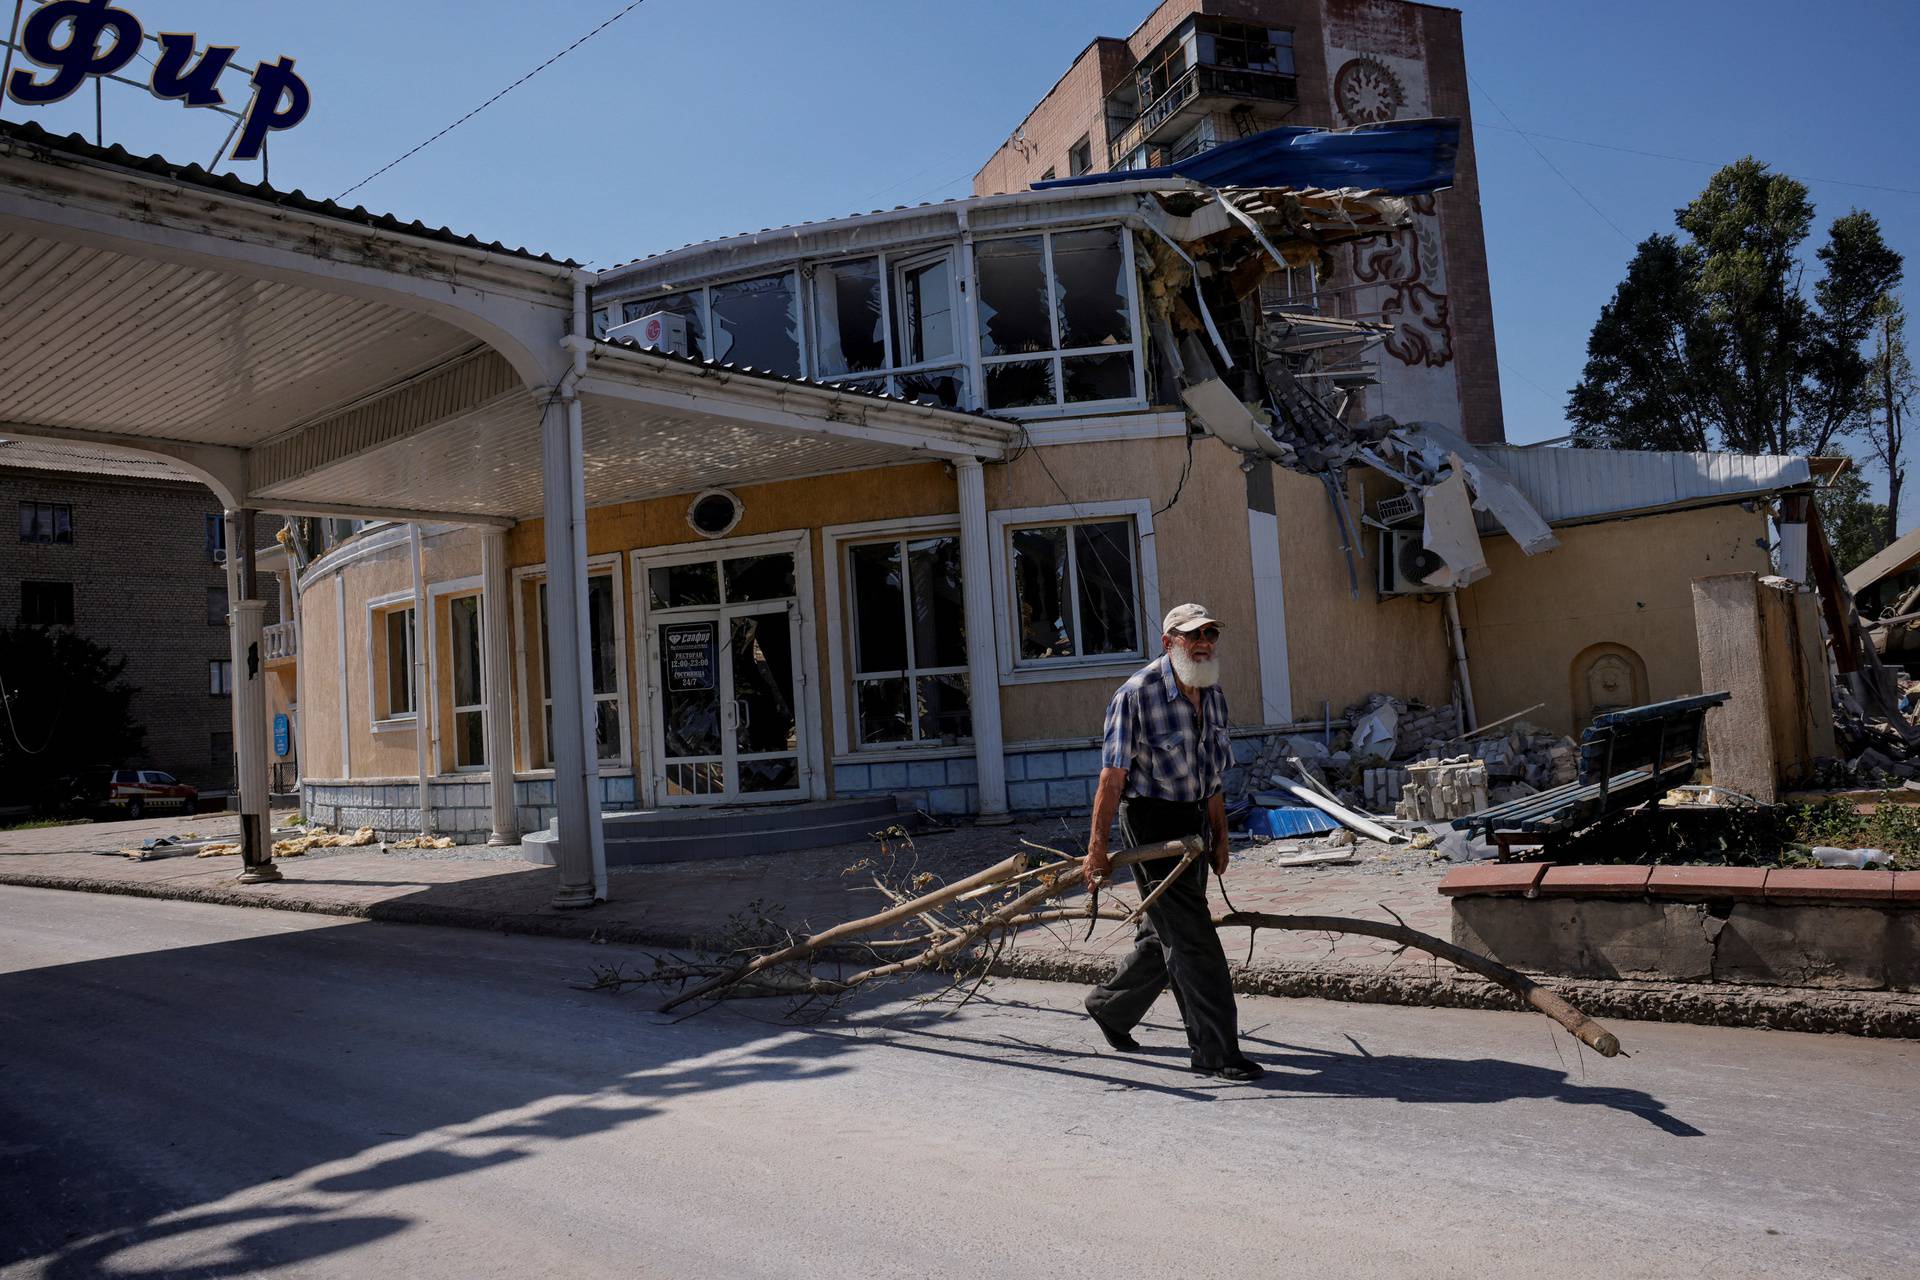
(1221, 413)
(1493, 489)
(1448, 531)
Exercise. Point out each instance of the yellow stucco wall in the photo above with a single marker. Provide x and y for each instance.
(1625, 583)
(1340, 648)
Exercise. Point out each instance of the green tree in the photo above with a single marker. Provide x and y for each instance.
(1855, 525)
(66, 713)
(1891, 387)
(1713, 341)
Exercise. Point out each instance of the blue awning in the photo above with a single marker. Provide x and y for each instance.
(1400, 157)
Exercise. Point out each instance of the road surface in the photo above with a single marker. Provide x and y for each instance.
(210, 1091)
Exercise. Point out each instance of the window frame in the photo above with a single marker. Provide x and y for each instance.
(892, 263)
(1136, 344)
(528, 581)
(58, 514)
(380, 714)
(447, 748)
(803, 290)
(1075, 165)
(40, 586)
(912, 672)
(1017, 670)
(219, 673)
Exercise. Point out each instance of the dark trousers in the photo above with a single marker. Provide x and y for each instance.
(1176, 944)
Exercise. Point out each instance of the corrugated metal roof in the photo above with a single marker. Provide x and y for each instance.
(1582, 484)
(90, 461)
(25, 135)
(1896, 557)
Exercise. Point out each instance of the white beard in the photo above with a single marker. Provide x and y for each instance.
(1193, 673)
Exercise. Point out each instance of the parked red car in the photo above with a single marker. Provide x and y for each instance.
(139, 790)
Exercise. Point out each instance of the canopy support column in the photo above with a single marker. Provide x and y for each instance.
(246, 619)
(578, 852)
(496, 606)
(983, 671)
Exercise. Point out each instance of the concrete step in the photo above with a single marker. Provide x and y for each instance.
(654, 836)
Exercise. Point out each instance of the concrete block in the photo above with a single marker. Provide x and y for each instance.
(1903, 950)
(540, 791)
(851, 778)
(950, 801)
(1083, 764)
(965, 771)
(1590, 937)
(1046, 764)
(1245, 749)
(619, 790)
(889, 777)
(1026, 795)
(1070, 794)
(1780, 945)
(477, 795)
(911, 800)
(927, 773)
(1016, 767)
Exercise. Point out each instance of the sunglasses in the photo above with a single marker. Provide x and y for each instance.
(1209, 634)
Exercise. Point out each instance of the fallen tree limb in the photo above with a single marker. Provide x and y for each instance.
(948, 941)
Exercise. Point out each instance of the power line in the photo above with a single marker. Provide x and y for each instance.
(635, 4)
(1662, 155)
(1528, 139)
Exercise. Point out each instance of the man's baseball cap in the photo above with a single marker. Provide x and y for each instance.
(1186, 617)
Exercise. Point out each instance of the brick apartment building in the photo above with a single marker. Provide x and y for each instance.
(129, 553)
(1200, 72)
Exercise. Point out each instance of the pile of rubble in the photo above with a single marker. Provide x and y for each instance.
(1369, 756)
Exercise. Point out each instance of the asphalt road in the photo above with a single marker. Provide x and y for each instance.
(210, 1091)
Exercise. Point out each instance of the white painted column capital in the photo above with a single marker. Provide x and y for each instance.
(983, 668)
(496, 612)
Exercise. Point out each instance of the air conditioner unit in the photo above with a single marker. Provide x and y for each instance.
(1405, 564)
(656, 331)
(220, 555)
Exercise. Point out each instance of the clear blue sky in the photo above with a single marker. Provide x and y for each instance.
(690, 119)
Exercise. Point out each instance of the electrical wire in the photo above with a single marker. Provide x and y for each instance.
(6, 701)
(634, 4)
(1528, 139)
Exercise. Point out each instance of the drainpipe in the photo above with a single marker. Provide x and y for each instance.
(422, 633)
(1459, 640)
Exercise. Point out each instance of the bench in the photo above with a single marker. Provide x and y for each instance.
(1627, 759)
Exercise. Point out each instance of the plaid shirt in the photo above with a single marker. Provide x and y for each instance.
(1169, 751)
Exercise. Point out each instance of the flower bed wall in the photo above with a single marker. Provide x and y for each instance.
(1845, 930)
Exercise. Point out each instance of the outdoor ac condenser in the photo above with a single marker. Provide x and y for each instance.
(657, 331)
(1405, 564)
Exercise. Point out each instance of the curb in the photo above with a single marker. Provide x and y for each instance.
(1888, 1014)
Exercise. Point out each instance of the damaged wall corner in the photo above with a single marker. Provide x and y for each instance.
(1760, 640)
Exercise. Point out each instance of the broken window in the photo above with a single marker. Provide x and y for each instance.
(469, 686)
(756, 323)
(691, 304)
(909, 641)
(1080, 157)
(1076, 592)
(895, 317)
(1242, 47)
(1067, 294)
(849, 318)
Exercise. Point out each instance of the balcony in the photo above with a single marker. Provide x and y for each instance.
(280, 642)
(1197, 91)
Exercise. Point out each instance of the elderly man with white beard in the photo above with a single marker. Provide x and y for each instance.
(1164, 752)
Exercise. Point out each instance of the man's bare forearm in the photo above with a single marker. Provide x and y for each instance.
(1217, 825)
(1106, 806)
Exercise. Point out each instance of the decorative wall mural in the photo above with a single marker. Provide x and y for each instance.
(1366, 91)
(1408, 262)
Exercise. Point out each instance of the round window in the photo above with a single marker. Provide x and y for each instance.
(715, 513)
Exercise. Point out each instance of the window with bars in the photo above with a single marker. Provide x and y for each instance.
(909, 641)
(46, 522)
(1076, 591)
(1056, 319)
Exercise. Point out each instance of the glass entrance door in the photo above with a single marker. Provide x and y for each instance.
(728, 705)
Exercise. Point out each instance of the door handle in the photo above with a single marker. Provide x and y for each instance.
(742, 713)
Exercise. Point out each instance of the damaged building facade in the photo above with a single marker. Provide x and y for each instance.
(1103, 413)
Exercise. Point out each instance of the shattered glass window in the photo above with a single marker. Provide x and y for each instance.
(688, 303)
(1101, 377)
(756, 323)
(1014, 317)
(1076, 590)
(604, 657)
(849, 324)
(946, 388)
(1018, 384)
(1090, 288)
(909, 640)
(925, 302)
